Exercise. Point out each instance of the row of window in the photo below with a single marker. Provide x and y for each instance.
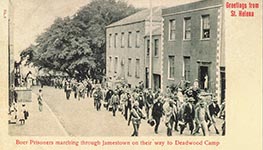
(113, 39)
(129, 72)
(205, 34)
(205, 28)
(155, 47)
(171, 67)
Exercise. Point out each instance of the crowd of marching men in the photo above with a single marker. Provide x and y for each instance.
(178, 107)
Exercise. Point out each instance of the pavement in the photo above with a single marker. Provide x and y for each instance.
(43, 123)
(61, 117)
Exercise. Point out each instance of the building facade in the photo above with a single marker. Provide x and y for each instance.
(192, 43)
(126, 47)
(187, 41)
(156, 64)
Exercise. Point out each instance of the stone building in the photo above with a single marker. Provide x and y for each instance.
(187, 42)
(126, 46)
(193, 43)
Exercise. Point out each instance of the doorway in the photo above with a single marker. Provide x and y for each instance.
(223, 83)
(186, 68)
(203, 72)
(147, 77)
(156, 81)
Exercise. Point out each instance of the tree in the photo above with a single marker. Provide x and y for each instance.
(77, 45)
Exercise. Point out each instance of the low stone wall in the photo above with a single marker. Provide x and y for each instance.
(23, 94)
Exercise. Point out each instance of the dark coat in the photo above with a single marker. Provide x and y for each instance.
(213, 110)
(148, 99)
(108, 95)
(188, 113)
(97, 95)
(157, 110)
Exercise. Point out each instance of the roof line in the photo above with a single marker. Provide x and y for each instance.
(193, 10)
(109, 26)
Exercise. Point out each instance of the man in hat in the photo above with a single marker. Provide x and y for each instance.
(127, 106)
(141, 101)
(108, 96)
(195, 91)
(188, 114)
(40, 99)
(135, 116)
(97, 95)
(68, 89)
(114, 102)
(157, 112)
(170, 112)
(213, 110)
(200, 118)
(148, 102)
(180, 97)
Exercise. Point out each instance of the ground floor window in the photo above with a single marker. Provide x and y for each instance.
(137, 68)
(186, 68)
(171, 67)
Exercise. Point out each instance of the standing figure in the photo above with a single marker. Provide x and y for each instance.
(127, 106)
(213, 111)
(188, 115)
(21, 115)
(140, 99)
(74, 86)
(222, 115)
(25, 112)
(97, 95)
(135, 116)
(169, 108)
(195, 91)
(123, 101)
(81, 90)
(68, 89)
(107, 99)
(88, 87)
(206, 83)
(148, 102)
(29, 80)
(13, 113)
(157, 112)
(40, 99)
(201, 116)
(114, 102)
(180, 97)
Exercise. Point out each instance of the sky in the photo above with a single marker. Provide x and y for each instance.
(32, 17)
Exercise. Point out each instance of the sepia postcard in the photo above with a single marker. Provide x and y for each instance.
(131, 74)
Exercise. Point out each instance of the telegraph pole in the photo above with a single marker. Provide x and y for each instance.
(150, 53)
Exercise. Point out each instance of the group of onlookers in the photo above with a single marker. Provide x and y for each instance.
(18, 113)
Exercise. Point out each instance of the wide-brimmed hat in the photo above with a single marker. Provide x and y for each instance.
(151, 122)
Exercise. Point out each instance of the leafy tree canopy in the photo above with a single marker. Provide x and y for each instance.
(77, 44)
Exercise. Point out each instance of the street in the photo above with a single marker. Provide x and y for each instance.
(61, 117)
